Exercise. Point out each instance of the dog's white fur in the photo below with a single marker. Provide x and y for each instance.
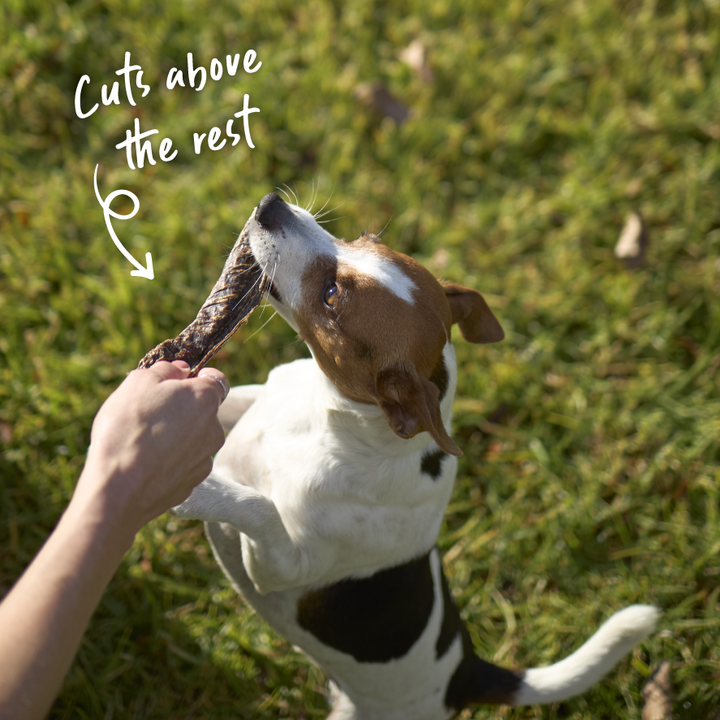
(289, 477)
(316, 484)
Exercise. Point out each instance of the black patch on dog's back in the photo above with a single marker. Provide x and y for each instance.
(374, 619)
(452, 624)
(478, 682)
(431, 463)
(474, 680)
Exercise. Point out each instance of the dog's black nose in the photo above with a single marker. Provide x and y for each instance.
(270, 211)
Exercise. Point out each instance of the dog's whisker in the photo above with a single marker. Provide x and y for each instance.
(385, 226)
(317, 192)
(321, 214)
(291, 193)
(329, 220)
(252, 335)
(271, 277)
(313, 196)
(284, 193)
(248, 292)
(318, 213)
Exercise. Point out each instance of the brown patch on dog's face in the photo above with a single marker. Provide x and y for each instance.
(376, 320)
(357, 327)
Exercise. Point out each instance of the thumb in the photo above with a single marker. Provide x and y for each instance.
(218, 382)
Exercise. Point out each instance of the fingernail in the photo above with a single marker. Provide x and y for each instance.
(181, 364)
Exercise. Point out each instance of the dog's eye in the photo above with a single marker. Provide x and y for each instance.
(331, 295)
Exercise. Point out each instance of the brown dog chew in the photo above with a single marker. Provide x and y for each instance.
(238, 291)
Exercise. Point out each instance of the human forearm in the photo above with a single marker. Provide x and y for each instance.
(44, 616)
(152, 442)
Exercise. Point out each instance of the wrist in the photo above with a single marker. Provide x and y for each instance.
(103, 501)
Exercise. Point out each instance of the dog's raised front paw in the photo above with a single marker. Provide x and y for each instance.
(185, 510)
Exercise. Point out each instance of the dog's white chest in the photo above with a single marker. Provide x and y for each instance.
(350, 493)
(280, 434)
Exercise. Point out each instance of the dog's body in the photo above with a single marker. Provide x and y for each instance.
(325, 503)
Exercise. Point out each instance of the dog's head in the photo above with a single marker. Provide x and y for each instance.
(376, 320)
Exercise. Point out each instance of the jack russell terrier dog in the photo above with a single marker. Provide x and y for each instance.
(325, 503)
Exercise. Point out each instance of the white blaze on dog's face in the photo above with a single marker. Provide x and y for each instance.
(376, 320)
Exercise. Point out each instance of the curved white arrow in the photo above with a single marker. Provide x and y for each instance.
(145, 272)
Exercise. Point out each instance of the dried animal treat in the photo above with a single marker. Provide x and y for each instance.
(238, 291)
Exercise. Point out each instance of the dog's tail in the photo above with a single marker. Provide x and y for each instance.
(591, 662)
(571, 676)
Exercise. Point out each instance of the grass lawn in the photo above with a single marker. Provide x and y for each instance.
(590, 477)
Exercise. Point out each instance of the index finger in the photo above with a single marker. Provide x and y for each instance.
(164, 370)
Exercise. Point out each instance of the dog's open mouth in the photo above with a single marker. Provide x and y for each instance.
(238, 291)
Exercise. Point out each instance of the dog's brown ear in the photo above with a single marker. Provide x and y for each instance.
(412, 405)
(472, 314)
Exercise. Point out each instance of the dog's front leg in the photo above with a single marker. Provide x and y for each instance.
(272, 560)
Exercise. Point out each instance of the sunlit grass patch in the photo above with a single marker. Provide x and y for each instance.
(590, 472)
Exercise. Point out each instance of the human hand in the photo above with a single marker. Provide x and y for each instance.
(152, 442)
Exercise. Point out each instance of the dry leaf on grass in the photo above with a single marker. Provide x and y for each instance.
(657, 693)
(377, 97)
(416, 57)
(633, 242)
